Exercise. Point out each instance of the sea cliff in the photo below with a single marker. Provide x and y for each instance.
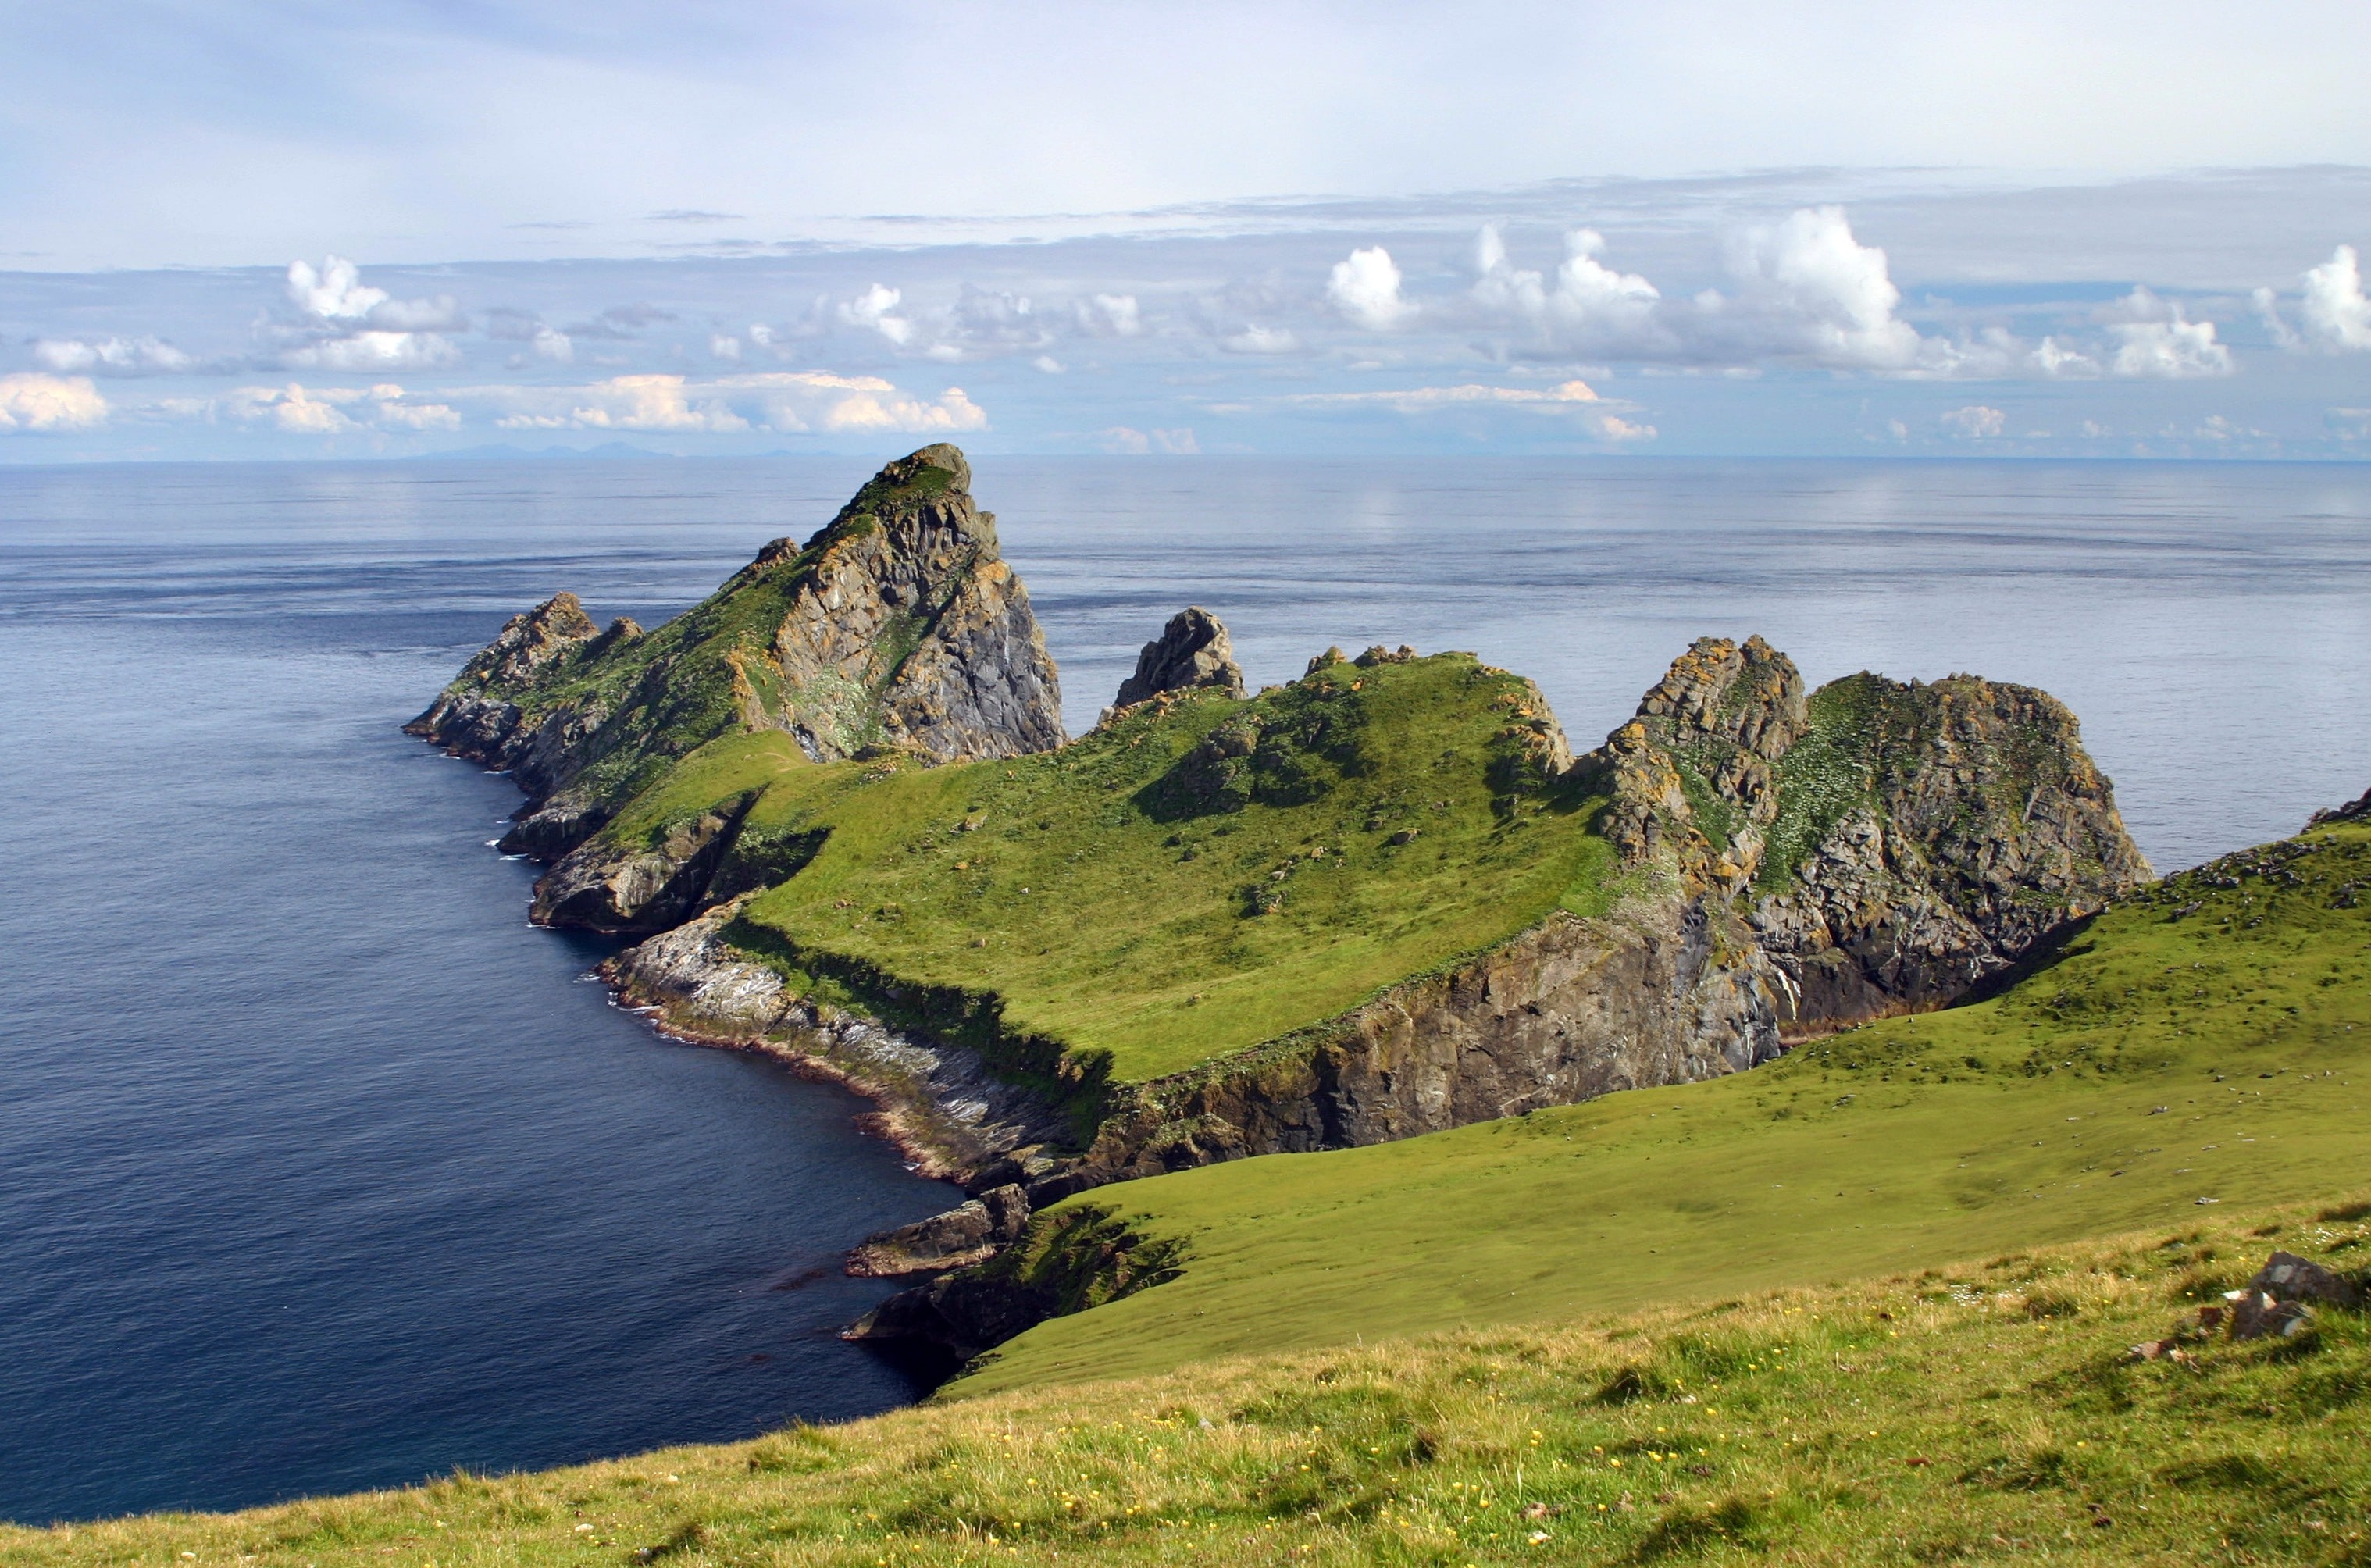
(1382, 900)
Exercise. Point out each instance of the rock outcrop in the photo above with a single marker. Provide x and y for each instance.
(2357, 810)
(1887, 845)
(969, 1233)
(1570, 1010)
(1191, 651)
(1067, 1262)
(898, 625)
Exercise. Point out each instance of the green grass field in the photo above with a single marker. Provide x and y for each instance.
(1870, 1304)
(1983, 1410)
(2222, 1054)
(1139, 897)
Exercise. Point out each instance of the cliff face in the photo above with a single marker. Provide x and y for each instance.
(1573, 1009)
(898, 625)
(906, 628)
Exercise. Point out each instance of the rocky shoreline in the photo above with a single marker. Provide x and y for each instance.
(941, 1105)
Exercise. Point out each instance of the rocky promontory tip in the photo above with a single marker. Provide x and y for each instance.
(1191, 653)
(897, 624)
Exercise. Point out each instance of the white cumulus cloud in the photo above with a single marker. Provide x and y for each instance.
(1590, 307)
(1974, 422)
(2156, 338)
(116, 356)
(298, 410)
(2336, 314)
(372, 350)
(1802, 290)
(350, 326)
(873, 309)
(1366, 288)
(48, 403)
(1806, 285)
(865, 410)
(1108, 316)
(1256, 339)
(1573, 398)
(787, 402)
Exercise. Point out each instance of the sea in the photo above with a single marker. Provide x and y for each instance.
(321, 1169)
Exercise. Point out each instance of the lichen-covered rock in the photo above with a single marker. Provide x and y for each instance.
(907, 626)
(896, 625)
(1192, 651)
(598, 887)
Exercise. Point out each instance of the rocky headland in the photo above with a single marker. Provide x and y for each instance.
(1755, 864)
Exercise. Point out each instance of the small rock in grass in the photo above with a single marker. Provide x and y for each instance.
(2291, 1278)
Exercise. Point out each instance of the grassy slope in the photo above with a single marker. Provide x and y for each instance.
(2025, 1119)
(1979, 1412)
(1115, 914)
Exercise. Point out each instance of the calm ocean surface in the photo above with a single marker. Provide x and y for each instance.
(320, 1170)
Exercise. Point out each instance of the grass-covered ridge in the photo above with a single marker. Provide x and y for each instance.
(2209, 1040)
(1967, 1411)
(1195, 878)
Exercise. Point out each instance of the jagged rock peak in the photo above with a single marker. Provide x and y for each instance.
(1728, 711)
(934, 483)
(1191, 651)
(1888, 844)
(1749, 695)
(531, 640)
(907, 628)
(898, 623)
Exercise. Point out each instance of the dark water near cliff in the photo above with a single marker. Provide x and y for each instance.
(320, 1170)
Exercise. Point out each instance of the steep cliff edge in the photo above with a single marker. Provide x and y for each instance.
(898, 625)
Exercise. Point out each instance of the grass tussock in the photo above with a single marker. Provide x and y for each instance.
(1980, 1411)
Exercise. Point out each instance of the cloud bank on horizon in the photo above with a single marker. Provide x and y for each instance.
(399, 227)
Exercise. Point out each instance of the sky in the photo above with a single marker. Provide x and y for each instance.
(282, 229)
